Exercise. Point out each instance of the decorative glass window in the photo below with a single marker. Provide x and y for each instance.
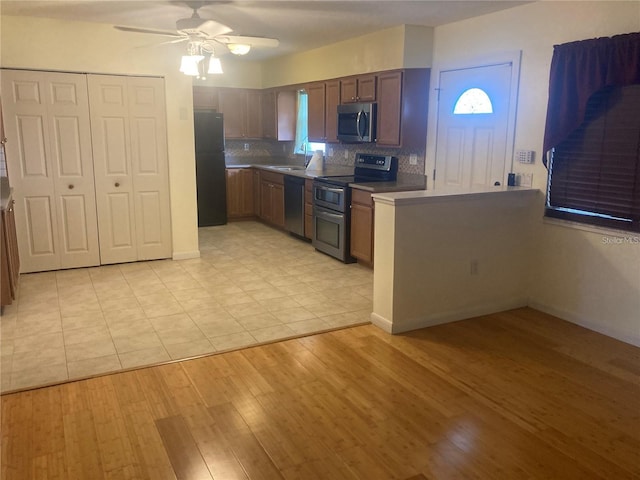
(473, 101)
(302, 144)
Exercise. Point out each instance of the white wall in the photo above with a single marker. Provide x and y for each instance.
(45, 44)
(404, 46)
(577, 275)
(423, 264)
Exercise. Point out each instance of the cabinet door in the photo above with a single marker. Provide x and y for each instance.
(256, 192)
(316, 114)
(286, 115)
(389, 108)
(277, 205)
(367, 88)
(50, 162)
(332, 100)
(348, 90)
(234, 192)
(269, 115)
(253, 118)
(205, 97)
(265, 200)
(232, 102)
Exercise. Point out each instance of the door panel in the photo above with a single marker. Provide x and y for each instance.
(50, 158)
(41, 231)
(149, 164)
(72, 162)
(120, 235)
(471, 149)
(112, 161)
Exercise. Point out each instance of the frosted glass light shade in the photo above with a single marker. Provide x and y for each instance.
(214, 65)
(239, 48)
(189, 64)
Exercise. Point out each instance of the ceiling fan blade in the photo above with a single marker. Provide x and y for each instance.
(213, 28)
(253, 41)
(166, 33)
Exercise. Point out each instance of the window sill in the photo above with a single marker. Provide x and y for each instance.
(611, 232)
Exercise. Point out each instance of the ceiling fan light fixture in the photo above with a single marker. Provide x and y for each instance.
(215, 67)
(189, 64)
(239, 48)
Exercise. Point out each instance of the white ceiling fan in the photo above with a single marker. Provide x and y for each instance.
(202, 34)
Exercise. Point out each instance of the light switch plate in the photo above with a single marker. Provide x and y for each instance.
(413, 159)
(524, 179)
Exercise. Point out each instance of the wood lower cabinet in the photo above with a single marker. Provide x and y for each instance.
(240, 202)
(308, 209)
(272, 198)
(256, 191)
(362, 217)
(9, 258)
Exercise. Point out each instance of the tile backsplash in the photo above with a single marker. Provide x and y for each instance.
(334, 153)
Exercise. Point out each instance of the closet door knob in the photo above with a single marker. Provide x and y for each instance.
(71, 187)
(117, 184)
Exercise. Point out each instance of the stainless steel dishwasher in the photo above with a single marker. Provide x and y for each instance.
(294, 204)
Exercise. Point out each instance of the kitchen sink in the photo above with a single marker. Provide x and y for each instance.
(287, 168)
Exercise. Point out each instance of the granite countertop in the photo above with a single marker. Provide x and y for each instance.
(405, 181)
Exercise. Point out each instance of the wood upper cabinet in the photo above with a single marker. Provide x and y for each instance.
(331, 102)
(362, 216)
(402, 108)
(358, 89)
(323, 100)
(279, 115)
(316, 112)
(240, 203)
(242, 110)
(205, 97)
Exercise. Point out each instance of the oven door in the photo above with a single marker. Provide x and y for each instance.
(331, 233)
(330, 196)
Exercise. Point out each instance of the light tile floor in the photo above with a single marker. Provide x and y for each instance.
(251, 284)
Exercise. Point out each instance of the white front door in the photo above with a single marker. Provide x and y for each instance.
(51, 169)
(474, 110)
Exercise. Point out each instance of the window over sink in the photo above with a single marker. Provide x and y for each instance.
(302, 144)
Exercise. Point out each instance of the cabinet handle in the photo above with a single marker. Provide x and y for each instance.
(71, 187)
(117, 184)
(4, 140)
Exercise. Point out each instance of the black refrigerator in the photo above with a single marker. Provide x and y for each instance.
(210, 168)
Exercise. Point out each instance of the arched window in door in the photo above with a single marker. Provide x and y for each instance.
(473, 101)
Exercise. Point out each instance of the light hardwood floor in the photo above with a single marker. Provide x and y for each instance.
(515, 395)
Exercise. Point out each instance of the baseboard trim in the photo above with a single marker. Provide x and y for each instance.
(186, 255)
(578, 320)
(446, 317)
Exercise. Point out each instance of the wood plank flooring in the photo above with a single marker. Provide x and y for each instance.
(515, 395)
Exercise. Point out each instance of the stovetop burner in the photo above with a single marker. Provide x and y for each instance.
(369, 168)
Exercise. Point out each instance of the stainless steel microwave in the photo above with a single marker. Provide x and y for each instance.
(357, 122)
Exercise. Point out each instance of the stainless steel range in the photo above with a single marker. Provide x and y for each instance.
(332, 202)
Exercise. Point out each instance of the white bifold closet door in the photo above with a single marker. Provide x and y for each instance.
(128, 129)
(51, 169)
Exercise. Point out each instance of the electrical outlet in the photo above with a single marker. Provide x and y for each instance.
(246, 147)
(524, 179)
(330, 151)
(346, 154)
(413, 159)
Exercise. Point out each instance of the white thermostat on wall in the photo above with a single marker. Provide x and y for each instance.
(524, 156)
